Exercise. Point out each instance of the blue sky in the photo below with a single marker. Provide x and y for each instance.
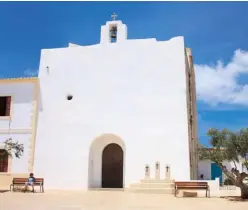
(216, 31)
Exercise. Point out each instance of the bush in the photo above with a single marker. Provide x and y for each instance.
(228, 181)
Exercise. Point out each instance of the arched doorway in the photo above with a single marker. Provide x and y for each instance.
(112, 166)
(96, 158)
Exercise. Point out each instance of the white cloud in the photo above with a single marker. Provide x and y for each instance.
(219, 84)
(31, 72)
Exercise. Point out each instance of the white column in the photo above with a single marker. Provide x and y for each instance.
(167, 172)
(147, 172)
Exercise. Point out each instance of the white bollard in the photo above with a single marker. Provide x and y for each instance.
(167, 172)
(157, 170)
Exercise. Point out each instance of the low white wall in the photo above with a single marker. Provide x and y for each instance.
(230, 191)
(214, 186)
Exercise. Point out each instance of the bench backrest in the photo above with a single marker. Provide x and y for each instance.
(23, 180)
(192, 184)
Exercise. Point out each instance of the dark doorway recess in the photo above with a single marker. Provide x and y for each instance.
(112, 166)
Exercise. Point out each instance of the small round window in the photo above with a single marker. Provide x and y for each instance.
(69, 97)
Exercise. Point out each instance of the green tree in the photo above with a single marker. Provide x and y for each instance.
(12, 148)
(229, 146)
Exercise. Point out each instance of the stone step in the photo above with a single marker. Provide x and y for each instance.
(106, 189)
(156, 181)
(153, 191)
(153, 185)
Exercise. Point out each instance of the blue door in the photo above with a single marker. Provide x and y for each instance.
(216, 172)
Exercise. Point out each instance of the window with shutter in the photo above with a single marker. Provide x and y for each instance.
(3, 161)
(5, 103)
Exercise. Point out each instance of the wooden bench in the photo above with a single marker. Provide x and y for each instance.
(192, 186)
(21, 182)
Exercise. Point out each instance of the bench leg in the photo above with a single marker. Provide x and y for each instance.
(10, 187)
(42, 189)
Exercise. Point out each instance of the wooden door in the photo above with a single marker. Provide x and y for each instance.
(3, 161)
(112, 166)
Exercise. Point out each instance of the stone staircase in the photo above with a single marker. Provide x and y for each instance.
(156, 186)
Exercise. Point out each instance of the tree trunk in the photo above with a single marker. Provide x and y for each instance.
(244, 191)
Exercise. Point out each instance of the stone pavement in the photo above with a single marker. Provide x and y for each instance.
(111, 200)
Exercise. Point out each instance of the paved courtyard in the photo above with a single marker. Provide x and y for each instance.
(104, 200)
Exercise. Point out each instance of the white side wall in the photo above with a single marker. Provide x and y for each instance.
(135, 89)
(205, 168)
(19, 165)
(20, 127)
(22, 94)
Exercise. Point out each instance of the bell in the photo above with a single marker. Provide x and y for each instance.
(113, 33)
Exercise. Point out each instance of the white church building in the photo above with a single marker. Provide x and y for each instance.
(96, 116)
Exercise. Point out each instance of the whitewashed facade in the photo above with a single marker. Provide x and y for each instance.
(136, 94)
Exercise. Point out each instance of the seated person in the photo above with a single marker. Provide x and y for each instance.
(30, 182)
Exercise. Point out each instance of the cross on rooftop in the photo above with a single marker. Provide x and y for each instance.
(114, 16)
